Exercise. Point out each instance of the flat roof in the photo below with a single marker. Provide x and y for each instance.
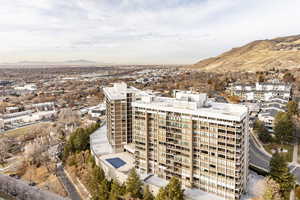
(118, 91)
(197, 194)
(99, 141)
(116, 162)
(127, 164)
(212, 109)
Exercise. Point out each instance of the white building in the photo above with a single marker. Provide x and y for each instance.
(97, 111)
(270, 109)
(28, 88)
(118, 101)
(261, 91)
(203, 143)
(17, 119)
(45, 106)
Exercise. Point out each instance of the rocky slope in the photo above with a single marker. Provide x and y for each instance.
(278, 53)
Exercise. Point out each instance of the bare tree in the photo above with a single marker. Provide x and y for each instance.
(4, 149)
(36, 152)
(69, 118)
(268, 189)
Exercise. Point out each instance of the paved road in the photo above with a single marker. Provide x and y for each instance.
(72, 192)
(257, 156)
(262, 160)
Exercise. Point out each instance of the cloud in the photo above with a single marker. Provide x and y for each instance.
(138, 31)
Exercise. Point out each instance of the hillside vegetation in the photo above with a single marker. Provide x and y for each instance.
(260, 55)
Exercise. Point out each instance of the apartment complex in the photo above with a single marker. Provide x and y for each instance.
(261, 91)
(203, 143)
(118, 101)
(270, 109)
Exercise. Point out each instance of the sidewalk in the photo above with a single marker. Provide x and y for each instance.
(295, 154)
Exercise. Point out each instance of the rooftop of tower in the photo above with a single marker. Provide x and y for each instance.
(195, 104)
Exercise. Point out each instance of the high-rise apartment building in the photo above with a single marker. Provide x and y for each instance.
(203, 143)
(118, 101)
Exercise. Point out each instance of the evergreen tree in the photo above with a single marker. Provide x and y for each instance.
(104, 189)
(97, 176)
(279, 171)
(284, 128)
(134, 185)
(147, 194)
(115, 191)
(123, 189)
(174, 190)
(292, 107)
(262, 132)
(79, 140)
(161, 194)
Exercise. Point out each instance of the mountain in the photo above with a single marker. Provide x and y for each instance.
(278, 53)
(80, 62)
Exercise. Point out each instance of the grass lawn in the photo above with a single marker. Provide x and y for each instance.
(21, 131)
(288, 155)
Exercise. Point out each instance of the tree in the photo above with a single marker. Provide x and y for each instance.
(161, 194)
(115, 191)
(4, 149)
(292, 107)
(279, 171)
(271, 190)
(288, 77)
(134, 185)
(218, 85)
(69, 117)
(262, 132)
(104, 189)
(284, 128)
(97, 176)
(147, 195)
(234, 99)
(261, 78)
(172, 191)
(79, 140)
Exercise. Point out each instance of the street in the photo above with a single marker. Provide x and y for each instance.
(72, 192)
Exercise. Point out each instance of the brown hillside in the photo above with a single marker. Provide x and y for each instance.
(278, 53)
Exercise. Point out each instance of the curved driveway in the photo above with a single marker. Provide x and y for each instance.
(257, 157)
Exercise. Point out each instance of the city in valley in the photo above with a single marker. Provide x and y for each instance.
(67, 132)
(149, 100)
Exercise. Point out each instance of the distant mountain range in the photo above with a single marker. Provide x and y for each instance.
(49, 63)
(278, 53)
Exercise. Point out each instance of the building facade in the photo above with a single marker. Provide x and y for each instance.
(118, 101)
(261, 91)
(203, 143)
(270, 109)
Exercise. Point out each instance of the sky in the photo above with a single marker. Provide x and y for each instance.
(138, 31)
